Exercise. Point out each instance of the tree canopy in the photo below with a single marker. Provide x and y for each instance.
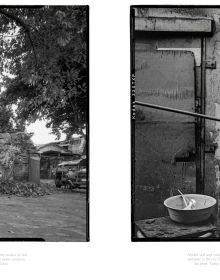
(6, 119)
(44, 65)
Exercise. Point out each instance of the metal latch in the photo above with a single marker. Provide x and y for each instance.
(210, 64)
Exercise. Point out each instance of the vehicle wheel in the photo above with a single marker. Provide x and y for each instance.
(58, 184)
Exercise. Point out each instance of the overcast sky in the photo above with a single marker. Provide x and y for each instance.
(41, 133)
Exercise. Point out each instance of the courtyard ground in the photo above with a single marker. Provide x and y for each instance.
(56, 217)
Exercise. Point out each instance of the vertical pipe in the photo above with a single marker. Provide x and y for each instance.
(197, 76)
(202, 121)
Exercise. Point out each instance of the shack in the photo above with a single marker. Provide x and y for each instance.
(51, 154)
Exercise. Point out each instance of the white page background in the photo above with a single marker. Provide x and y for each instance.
(110, 254)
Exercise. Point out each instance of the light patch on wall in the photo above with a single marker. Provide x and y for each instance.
(196, 51)
(217, 127)
(217, 115)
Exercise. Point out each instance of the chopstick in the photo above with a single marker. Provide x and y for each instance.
(184, 199)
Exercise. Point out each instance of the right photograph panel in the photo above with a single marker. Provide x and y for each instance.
(175, 121)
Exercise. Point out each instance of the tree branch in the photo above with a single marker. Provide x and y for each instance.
(23, 25)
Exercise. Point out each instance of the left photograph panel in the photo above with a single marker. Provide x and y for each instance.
(44, 123)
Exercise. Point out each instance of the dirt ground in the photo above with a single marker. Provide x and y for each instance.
(56, 217)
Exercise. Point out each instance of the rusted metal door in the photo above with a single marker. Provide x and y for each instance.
(164, 141)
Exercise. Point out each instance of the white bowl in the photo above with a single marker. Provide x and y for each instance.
(204, 208)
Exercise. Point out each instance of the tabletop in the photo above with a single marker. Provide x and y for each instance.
(164, 227)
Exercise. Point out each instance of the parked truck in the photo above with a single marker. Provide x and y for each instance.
(71, 174)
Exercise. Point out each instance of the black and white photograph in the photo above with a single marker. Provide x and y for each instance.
(175, 122)
(44, 123)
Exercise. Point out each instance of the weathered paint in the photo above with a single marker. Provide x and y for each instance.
(195, 51)
(163, 78)
(166, 78)
(163, 24)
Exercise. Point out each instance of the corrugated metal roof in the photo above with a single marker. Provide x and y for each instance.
(71, 162)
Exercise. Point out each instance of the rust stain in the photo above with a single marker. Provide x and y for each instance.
(178, 93)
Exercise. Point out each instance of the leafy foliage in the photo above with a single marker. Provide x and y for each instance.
(9, 157)
(25, 189)
(6, 119)
(44, 63)
(12, 151)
